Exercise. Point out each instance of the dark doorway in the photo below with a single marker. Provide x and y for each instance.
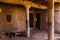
(31, 17)
(38, 21)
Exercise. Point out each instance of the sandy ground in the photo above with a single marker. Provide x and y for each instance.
(35, 35)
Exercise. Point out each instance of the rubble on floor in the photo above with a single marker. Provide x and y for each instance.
(37, 35)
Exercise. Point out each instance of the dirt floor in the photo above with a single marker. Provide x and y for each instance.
(35, 35)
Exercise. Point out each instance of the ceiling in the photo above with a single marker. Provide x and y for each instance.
(42, 2)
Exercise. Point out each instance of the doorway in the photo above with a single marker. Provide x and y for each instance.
(37, 21)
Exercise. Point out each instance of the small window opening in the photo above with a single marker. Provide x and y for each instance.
(8, 18)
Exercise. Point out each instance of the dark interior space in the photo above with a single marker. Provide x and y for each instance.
(38, 21)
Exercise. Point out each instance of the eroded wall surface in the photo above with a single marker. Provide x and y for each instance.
(57, 19)
(18, 18)
(43, 21)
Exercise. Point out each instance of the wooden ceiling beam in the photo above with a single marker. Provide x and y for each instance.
(23, 2)
(57, 1)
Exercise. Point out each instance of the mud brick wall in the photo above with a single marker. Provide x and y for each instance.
(57, 18)
(18, 18)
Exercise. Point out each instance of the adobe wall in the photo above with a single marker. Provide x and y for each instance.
(57, 18)
(18, 21)
(43, 21)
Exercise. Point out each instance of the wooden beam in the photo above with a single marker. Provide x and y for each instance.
(28, 25)
(51, 20)
(21, 2)
(57, 1)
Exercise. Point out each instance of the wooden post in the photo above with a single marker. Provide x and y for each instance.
(51, 20)
(28, 25)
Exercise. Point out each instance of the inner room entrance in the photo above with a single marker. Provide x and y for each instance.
(34, 21)
(38, 21)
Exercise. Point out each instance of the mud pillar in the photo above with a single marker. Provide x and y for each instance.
(51, 20)
(28, 25)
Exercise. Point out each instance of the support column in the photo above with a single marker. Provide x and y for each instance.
(51, 20)
(28, 25)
